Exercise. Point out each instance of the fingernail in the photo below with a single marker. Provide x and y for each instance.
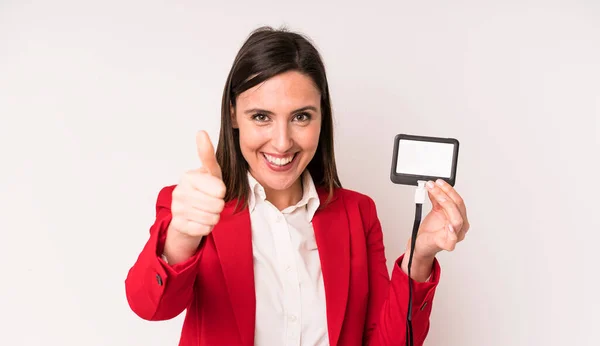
(429, 185)
(440, 182)
(451, 228)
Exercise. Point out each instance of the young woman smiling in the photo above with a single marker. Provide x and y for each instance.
(262, 245)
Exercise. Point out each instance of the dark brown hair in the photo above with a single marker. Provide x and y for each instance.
(265, 53)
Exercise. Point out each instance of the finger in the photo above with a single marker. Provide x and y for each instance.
(206, 153)
(447, 205)
(455, 196)
(201, 217)
(437, 206)
(446, 238)
(451, 192)
(190, 228)
(195, 229)
(441, 239)
(205, 202)
(434, 203)
(208, 184)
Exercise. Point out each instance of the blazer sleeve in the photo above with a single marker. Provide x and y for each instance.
(388, 299)
(155, 290)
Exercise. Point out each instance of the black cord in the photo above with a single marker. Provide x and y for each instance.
(413, 241)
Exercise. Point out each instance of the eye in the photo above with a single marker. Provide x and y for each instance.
(302, 117)
(260, 117)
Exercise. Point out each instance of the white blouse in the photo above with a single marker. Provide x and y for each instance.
(290, 295)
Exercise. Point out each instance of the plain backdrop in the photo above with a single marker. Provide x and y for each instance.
(100, 102)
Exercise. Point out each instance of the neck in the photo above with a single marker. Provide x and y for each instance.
(282, 199)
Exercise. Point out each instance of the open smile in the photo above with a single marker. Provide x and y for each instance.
(280, 163)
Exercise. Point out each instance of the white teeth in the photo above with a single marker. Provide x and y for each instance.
(279, 161)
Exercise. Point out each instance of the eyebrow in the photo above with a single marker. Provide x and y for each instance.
(258, 110)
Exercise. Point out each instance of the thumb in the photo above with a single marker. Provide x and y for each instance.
(206, 153)
(447, 238)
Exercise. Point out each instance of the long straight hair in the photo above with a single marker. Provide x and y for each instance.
(268, 52)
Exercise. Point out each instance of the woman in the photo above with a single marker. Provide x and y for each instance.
(262, 245)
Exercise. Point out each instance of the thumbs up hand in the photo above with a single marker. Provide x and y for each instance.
(207, 156)
(196, 205)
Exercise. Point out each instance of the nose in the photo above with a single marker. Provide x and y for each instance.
(282, 137)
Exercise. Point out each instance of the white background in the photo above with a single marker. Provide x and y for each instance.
(100, 102)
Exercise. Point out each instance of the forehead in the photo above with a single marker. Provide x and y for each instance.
(283, 92)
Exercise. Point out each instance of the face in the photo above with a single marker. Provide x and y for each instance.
(279, 122)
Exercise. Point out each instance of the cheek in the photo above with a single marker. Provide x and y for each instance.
(250, 140)
(310, 139)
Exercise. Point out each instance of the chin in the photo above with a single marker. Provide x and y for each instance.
(276, 180)
(283, 183)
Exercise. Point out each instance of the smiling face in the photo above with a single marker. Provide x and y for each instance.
(279, 123)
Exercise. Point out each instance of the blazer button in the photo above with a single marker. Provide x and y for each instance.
(159, 280)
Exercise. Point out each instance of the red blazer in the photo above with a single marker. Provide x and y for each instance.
(216, 285)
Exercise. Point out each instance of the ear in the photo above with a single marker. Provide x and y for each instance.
(234, 122)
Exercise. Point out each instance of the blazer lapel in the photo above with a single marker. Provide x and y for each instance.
(233, 240)
(332, 234)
